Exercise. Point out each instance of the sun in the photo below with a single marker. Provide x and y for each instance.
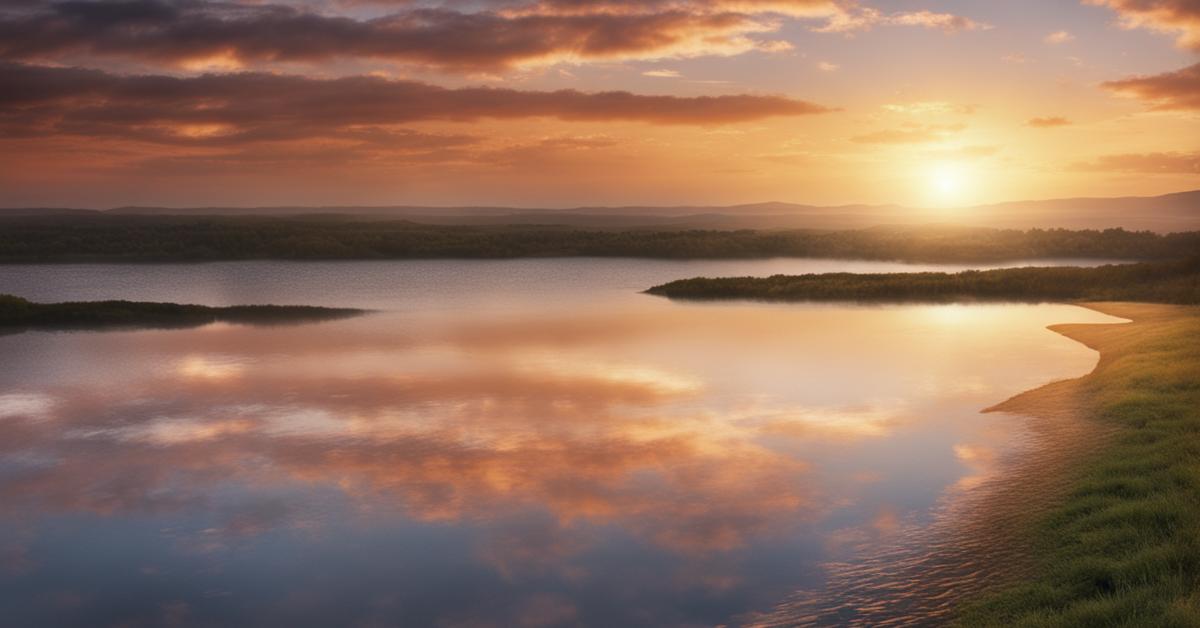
(948, 181)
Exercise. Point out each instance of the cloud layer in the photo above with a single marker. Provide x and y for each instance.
(232, 108)
(201, 33)
(192, 34)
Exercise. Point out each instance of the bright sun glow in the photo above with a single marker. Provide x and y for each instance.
(948, 182)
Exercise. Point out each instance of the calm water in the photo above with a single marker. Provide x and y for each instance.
(508, 443)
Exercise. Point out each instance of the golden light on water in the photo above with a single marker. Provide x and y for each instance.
(207, 367)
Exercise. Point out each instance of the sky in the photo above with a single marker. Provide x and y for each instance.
(558, 103)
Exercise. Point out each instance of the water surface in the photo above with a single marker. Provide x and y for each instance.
(525, 442)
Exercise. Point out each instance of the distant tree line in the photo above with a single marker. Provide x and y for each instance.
(187, 238)
(1155, 282)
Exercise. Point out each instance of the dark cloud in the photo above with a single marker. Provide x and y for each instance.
(1173, 90)
(462, 36)
(197, 32)
(37, 101)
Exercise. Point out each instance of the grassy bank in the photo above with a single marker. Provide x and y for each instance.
(17, 313)
(1155, 282)
(1123, 548)
(115, 238)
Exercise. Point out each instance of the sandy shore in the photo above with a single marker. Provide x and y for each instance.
(981, 537)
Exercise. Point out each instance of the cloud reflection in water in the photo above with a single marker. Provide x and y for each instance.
(696, 462)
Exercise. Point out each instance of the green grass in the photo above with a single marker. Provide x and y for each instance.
(17, 314)
(1123, 549)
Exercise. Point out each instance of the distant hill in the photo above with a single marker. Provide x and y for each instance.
(46, 211)
(1167, 213)
(1170, 212)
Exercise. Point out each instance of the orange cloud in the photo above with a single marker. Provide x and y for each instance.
(1176, 90)
(862, 18)
(942, 21)
(930, 108)
(580, 448)
(1181, 17)
(1059, 37)
(38, 101)
(1048, 122)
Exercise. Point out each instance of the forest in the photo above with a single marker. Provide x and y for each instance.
(1175, 282)
(105, 238)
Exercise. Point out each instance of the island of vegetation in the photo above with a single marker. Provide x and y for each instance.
(135, 238)
(1152, 282)
(18, 314)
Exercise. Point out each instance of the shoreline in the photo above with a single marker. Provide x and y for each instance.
(984, 539)
(1042, 511)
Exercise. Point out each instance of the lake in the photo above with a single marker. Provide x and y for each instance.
(507, 443)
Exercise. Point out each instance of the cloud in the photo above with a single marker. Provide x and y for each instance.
(863, 18)
(913, 134)
(662, 73)
(489, 36)
(1180, 17)
(222, 35)
(1059, 37)
(931, 107)
(1178, 90)
(38, 101)
(942, 21)
(485, 437)
(1048, 122)
(775, 46)
(793, 8)
(1144, 163)
(826, 66)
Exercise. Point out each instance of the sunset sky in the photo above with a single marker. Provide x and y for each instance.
(587, 102)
